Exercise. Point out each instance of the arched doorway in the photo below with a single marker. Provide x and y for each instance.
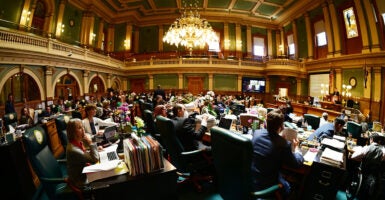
(24, 89)
(96, 87)
(67, 88)
(115, 85)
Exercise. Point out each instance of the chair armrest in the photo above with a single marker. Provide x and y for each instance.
(62, 161)
(267, 191)
(192, 153)
(53, 180)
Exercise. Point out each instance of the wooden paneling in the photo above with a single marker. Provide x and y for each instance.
(54, 140)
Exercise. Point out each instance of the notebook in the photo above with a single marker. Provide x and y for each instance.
(225, 123)
(108, 154)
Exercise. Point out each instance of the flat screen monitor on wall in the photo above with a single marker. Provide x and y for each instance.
(257, 85)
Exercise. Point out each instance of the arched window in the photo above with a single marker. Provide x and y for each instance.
(96, 87)
(115, 85)
(22, 86)
(67, 88)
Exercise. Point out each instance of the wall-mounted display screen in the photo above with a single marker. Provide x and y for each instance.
(253, 84)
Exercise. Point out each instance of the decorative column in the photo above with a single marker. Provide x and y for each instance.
(59, 22)
(309, 35)
(282, 46)
(86, 74)
(363, 28)
(375, 47)
(226, 40)
(278, 44)
(110, 39)
(211, 85)
(127, 41)
(100, 35)
(125, 83)
(328, 30)
(377, 83)
(160, 40)
(48, 82)
(109, 77)
(299, 86)
(338, 74)
(180, 81)
(249, 41)
(335, 28)
(151, 81)
(295, 38)
(269, 43)
(239, 83)
(267, 85)
(136, 40)
(238, 41)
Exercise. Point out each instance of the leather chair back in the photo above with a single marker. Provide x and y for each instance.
(354, 129)
(171, 142)
(246, 119)
(312, 120)
(149, 121)
(77, 114)
(10, 119)
(232, 155)
(61, 127)
(42, 160)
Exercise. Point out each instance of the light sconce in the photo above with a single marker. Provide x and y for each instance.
(324, 90)
(61, 28)
(25, 17)
(239, 44)
(127, 44)
(227, 44)
(346, 90)
(93, 36)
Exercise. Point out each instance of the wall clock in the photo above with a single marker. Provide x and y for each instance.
(353, 81)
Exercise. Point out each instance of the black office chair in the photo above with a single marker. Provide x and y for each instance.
(47, 168)
(77, 114)
(148, 119)
(189, 164)
(10, 119)
(312, 120)
(232, 155)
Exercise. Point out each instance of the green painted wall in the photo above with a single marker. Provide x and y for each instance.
(274, 42)
(302, 38)
(169, 81)
(71, 34)
(119, 37)
(225, 82)
(244, 38)
(258, 30)
(10, 12)
(359, 75)
(148, 39)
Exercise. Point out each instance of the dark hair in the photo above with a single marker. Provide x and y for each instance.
(338, 121)
(377, 138)
(89, 107)
(274, 120)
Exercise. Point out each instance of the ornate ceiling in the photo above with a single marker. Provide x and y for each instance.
(146, 12)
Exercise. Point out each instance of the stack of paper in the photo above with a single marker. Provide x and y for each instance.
(332, 157)
(142, 155)
(105, 170)
(338, 137)
(333, 143)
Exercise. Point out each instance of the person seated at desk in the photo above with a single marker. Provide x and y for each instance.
(47, 112)
(77, 155)
(91, 123)
(327, 130)
(25, 117)
(271, 152)
(190, 138)
(372, 159)
(324, 119)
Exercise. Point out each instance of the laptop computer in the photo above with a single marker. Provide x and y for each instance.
(109, 135)
(108, 154)
(225, 123)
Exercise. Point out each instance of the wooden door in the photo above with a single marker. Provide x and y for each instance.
(195, 85)
(137, 85)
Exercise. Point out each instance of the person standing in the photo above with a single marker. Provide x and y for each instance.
(271, 152)
(159, 91)
(9, 105)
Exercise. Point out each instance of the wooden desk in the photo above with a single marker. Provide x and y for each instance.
(156, 185)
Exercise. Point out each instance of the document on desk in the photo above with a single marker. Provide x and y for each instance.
(105, 170)
(310, 155)
(332, 157)
(333, 143)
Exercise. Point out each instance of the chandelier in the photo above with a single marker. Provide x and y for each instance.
(190, 30)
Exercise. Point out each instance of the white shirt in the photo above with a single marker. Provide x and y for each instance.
(97, 123)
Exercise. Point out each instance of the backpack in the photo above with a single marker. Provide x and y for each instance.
(366, 181)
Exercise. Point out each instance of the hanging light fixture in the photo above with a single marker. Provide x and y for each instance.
(190, 30)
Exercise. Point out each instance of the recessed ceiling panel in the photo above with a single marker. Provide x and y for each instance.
(165, 3)
(280, 2)
(218, 3)
(244, 5)
(266, 9)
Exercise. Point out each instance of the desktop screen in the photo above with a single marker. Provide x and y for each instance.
(253, 85)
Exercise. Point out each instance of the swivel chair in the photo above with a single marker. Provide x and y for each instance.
(10, 119)
(312, 120)
(232, 155)
(61, 127)
(150, 124)
(47, 168)
(77, 114)
(189, 164)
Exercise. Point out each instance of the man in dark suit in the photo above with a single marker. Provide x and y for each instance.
(185, 129)
(9, 107)
(159, 91)
(271, 152)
